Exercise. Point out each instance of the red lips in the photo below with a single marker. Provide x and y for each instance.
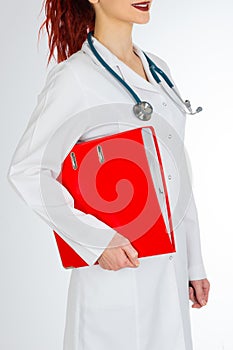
(143, 6)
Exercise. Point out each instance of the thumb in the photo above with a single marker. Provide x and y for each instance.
(131, 253)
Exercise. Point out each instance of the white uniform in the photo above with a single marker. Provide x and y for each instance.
(143, 308)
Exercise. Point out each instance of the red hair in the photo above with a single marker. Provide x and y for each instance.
(67, 24)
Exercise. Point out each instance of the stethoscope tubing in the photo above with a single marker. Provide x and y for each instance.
(154, 69)
(137, 99)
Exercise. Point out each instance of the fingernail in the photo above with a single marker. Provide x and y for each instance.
(137, 263)
(203, 303)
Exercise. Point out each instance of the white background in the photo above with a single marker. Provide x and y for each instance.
(195, 39)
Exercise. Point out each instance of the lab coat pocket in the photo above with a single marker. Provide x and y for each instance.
(106, 288)
(107, 308)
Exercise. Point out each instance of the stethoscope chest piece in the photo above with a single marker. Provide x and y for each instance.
(143, 110)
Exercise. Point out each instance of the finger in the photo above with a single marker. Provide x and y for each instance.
(104, 262)
(132, 254)
(195, 305)
(123, 259)
(191, 295)
(199, 293)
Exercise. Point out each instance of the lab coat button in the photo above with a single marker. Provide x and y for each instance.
(170, 257)
(169, 136)
(164, 104)
(169, 177)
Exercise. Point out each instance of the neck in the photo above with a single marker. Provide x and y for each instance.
(117, 38)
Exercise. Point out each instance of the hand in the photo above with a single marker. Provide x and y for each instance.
(199, 292)
(118, 254)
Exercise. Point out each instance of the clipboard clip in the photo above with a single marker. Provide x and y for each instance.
(73, 161)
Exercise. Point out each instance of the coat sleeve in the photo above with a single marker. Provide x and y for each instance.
(196, 269)
(55, 125)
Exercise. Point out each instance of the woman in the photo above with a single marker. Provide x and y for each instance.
(123, 302)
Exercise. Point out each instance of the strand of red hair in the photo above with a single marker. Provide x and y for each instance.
(67, 24)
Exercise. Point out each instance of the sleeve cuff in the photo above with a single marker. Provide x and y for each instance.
(197, 272)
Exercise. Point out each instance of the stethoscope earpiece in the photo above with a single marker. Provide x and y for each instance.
(143, 110)
(199, 109)
(187, 104)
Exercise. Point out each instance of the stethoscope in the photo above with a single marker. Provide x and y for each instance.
(142, 109)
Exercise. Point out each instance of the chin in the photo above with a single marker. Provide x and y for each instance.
(142, 21)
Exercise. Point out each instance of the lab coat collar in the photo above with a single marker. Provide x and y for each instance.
(126, 73)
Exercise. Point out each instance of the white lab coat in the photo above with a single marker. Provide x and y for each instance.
(141, 308)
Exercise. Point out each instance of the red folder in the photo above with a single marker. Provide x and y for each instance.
(115, 178)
